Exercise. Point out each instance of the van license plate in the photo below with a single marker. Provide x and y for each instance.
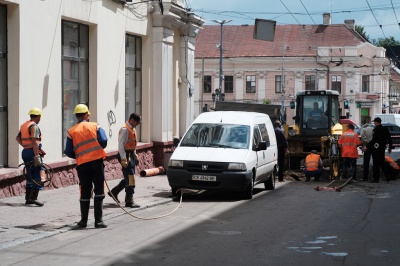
(204, 178)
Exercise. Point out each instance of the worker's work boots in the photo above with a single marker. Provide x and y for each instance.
(115, 191)
(129, 201)
(85, 205)
(98, 214)
(31, 198)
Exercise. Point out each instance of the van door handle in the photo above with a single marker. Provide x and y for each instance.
(263, 155)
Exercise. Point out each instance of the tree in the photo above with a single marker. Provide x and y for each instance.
(266, 101)
(361, 31)
(383, 42)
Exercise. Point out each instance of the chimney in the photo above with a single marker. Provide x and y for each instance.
(350, 23)
(327, 18)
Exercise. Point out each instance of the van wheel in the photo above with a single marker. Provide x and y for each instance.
(270, 183)
(248, 193)
(175, 191)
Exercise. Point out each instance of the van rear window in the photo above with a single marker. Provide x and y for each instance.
(217, 135)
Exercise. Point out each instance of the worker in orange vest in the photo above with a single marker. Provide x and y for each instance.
(348, 142)
(392, 168)
(127, 157)
(30, 137)
(313, 166)
(85, 143)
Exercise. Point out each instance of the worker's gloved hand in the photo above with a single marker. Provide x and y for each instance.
(37, 161)
(124, 163)
(137, 160)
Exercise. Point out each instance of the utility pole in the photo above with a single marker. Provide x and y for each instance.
(218, 92)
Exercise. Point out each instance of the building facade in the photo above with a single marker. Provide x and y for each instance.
(301, 57)
(114, 56)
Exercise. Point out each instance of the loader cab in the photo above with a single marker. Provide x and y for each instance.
(317, 112)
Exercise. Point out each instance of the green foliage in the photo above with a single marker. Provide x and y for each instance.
(382, 42)
(361, 31)
(266, 101)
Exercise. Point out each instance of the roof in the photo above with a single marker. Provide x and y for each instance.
(395, 74)
(238, 41)
(228, 117)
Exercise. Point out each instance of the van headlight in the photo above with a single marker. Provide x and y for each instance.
(237, 166)
(175, 163)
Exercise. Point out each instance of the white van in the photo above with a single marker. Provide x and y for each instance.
(389, 118)
(225, 150)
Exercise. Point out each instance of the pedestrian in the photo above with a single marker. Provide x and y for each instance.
(283, 148)
(127, 157)
(366, 136)
(313, 166)
(392, 168)
(348, 142)
(85, 143)
(30, 138)
(377, 147)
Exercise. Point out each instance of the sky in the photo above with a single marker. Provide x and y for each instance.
(367, 13)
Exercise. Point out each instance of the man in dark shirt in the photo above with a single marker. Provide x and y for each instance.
(377, 146)
(283, 148)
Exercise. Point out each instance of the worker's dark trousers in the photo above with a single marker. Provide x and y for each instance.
(366, 160)
(378, 158)
(91, 173)
(129, 173)
(281, 163)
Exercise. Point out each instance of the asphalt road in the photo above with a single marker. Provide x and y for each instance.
(293, 225)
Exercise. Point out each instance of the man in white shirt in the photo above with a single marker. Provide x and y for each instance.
(366, 136)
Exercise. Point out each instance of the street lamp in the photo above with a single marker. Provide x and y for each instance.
(219, 90)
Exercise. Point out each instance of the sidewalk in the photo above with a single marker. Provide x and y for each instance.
(21, 224)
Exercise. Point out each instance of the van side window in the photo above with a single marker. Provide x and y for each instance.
(264, 133)
(257, 137)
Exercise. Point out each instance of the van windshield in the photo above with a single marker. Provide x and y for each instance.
(217, 135)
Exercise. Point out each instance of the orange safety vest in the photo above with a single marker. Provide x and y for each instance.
(84, 141)
(392, 163)
(349, 141)
(26, 139)
(131, 143)
(312, 162)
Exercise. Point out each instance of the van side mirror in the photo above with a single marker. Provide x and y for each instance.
(262, 146)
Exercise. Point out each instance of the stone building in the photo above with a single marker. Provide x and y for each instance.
(116, 56)
(301, 57)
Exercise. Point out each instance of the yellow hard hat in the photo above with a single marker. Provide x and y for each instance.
(35, 111)
(81, 109)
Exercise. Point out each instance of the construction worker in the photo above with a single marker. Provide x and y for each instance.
(85, 143)
(127, 141)
(377, 146)
(392, 168)
(366, 136)
(313, 166)
(348, 142)
(283, 148)
(30, 137)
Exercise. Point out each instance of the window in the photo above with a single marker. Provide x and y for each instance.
(3, 87)
(365, 83)
(75, 71)
(264, 133)
(337, 83)
(251, 84)
(207, 84)
(228, 84)
(278, 83)
(310, 83)
(133, 77)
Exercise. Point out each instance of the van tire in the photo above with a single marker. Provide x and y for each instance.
(248, 193)
(270, 183)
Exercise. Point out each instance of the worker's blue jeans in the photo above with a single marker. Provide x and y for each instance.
(353, 163)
